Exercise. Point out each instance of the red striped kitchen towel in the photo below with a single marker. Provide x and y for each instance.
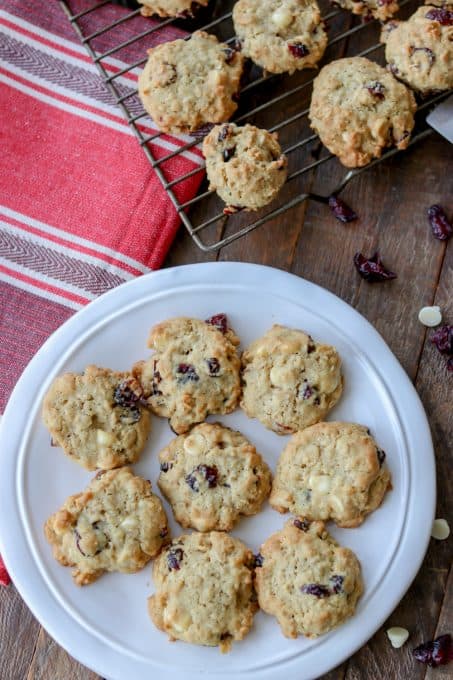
(81, 209)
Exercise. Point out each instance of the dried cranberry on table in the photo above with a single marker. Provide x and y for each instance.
(341, 210)
(436, 652)
(372, 269)
(442, 229)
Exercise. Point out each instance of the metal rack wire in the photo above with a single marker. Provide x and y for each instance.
(261, 94)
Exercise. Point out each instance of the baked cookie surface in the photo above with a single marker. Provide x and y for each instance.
(419, 51)
(289, 380)
(245, 165)
(188, 83)
(306, 580)
(97, 417)
(331, 471)
(194, 371)
(281, 36)
(377, 9)
(116, 524)
(212, 476)
(170, 8)
(358, 109)
(204, 590)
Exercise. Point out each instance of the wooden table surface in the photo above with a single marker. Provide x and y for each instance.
(391, 200)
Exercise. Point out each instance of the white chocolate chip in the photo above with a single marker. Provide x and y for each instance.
(430, 316)
(282, 17)
(128, 523)
(319, 483)
(104, 438)
(282, 377)
(440, 529)
(397, 636)
(195, 444)
(336, 503)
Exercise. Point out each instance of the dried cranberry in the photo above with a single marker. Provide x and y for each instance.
(220, 321)
(174, 559)
(341, 210)
(188, 372)
(213, 365)
(298, 50)
(223, 134)
(311, 345)
(441, 227)
(316, 589)
(435, 653)
(444, 16)
(302, 524)
(371, 269)
(376, 88)
(78, 538)
(337, 583)
(443, 339)
(258, 560)
(380, 456)
(306, 390)
(228, 153)
(163, 532)
(208, 472)
(429, 53)
(128, 394)
(165, 467)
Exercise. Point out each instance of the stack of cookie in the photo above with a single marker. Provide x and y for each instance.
(208, 584)
(358, 108)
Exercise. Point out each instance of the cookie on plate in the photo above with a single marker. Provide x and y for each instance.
(245, 165)
(116, 524)
(419, 51)
(204, 590)
(212, 476)
(98, 417)
(377, 9)
(194, 371)
(358, 109)
(281, 36)
(331, 471)
(188, 83)
(289, 380)
(181, 9)
(306, 580)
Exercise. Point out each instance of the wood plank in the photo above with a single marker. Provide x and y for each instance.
(51, 662)
(443, 627)
(18, 635)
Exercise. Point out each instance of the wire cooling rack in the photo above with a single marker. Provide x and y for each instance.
(279, 103)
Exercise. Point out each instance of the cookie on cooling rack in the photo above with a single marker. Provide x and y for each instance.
(419, 51)
(194, 371)
(97, 417)
(289, 380)
(282, 36)
(358, 109)
(204, 590)
(245, 165)
(181, 9)
(377, 9)
(212, 476)
(116, 524)
(306, 580)
(189, 83)
(331, 471)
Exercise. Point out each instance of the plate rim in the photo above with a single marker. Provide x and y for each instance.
(173, 277)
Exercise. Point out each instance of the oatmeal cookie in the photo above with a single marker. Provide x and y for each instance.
(245, 165)
(204, 590)
(281, 36)
(358, 108)
(116, 524)
(376, 9)
(193, 372)
(289, 380)
(212, 476)
(98, 417)
(188, 83)
(181, 9)
(331, 471)
(306, 580)
(419, 51)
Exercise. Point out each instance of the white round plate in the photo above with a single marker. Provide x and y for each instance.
(105, 625)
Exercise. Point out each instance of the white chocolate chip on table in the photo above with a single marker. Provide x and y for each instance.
(397, 636)
(430, 316)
